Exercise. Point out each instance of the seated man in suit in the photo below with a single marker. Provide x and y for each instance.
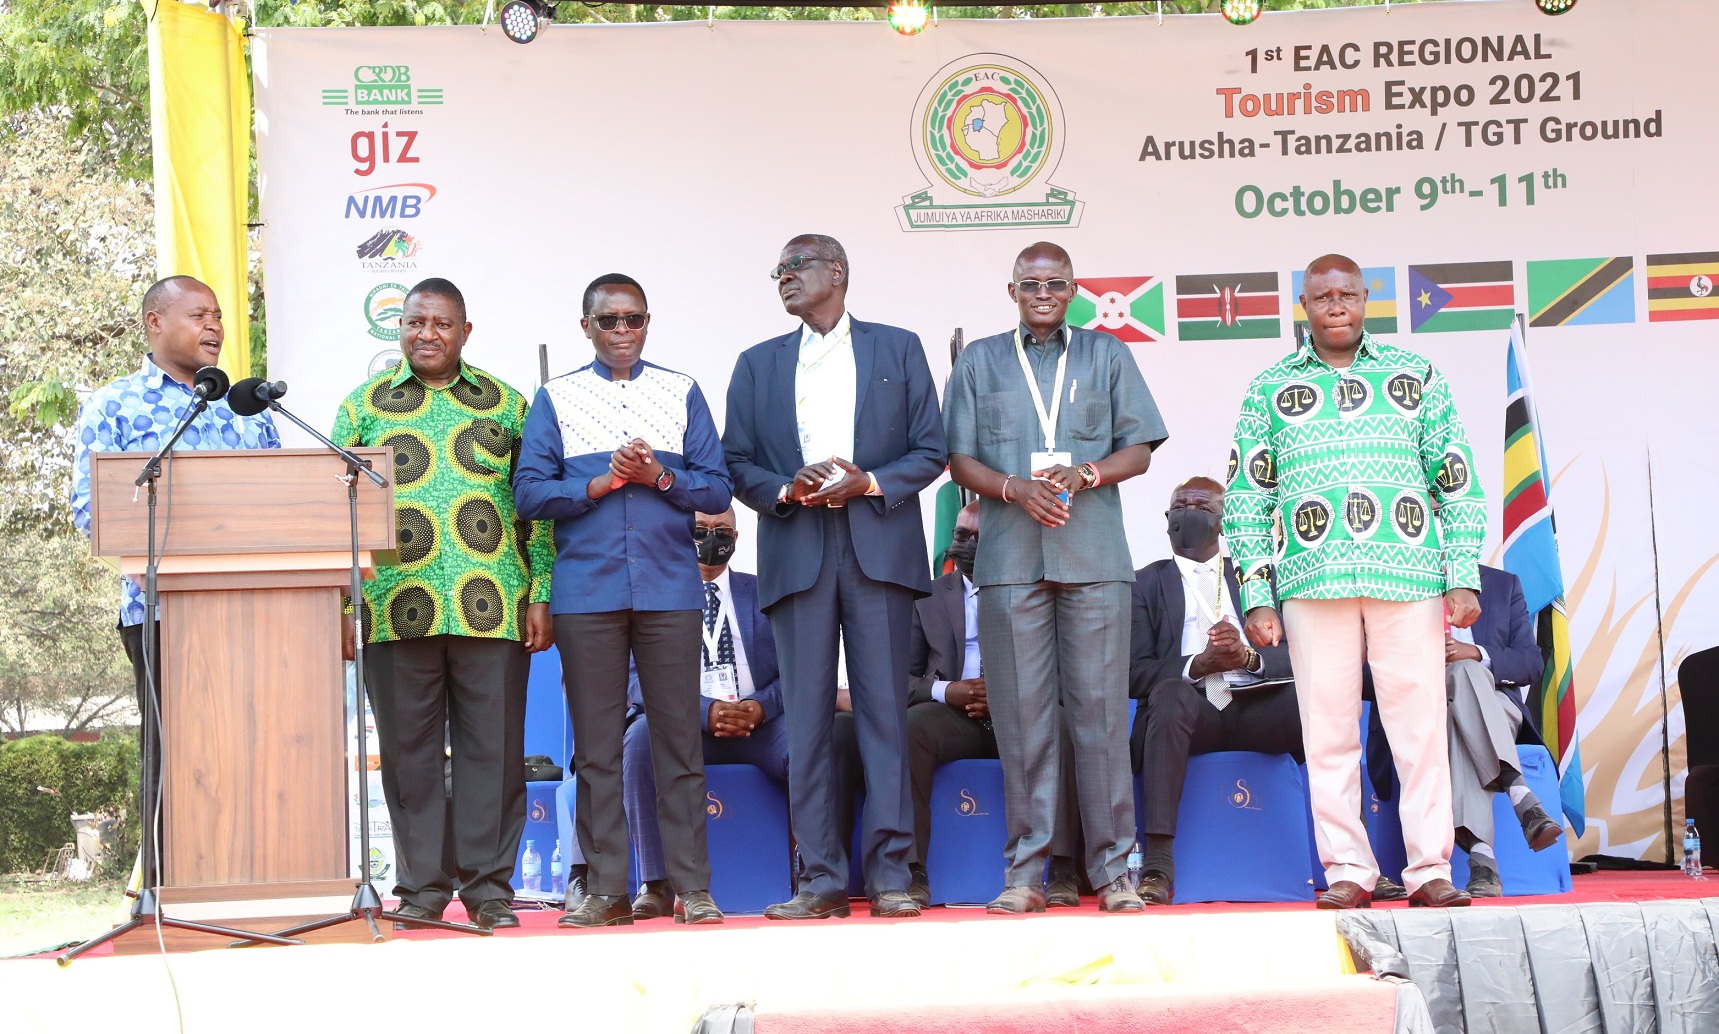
(742, 731)
(1205, 688)
(948, 718)
(1488, 669)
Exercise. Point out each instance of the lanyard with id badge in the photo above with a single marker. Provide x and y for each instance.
(1050, 457)
(717, 681)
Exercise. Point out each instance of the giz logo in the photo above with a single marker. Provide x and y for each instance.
(396, 200)
(383, 147)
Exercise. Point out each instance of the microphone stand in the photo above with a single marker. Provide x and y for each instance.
(366, 903)
(146, 906)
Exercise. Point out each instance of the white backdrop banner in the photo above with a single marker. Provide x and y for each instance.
(1478, 159)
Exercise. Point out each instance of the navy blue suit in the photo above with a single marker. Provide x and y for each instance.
(766, 748)
(1506, 632)
(852, 571)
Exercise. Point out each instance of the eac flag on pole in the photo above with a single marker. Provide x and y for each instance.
(1531, 554)
(200, 121)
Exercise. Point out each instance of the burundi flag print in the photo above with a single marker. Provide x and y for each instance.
(1461, 296)
(1228, 306)
(1680, 287)
(1130, 307)
(1580, 292)
(1381, 284)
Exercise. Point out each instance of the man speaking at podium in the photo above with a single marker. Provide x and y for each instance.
(443, 628)
(136, 413)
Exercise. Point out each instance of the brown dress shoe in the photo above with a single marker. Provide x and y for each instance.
(1014, 901)
(1540, 829)
(1345, 894)
(1118, 896)
(1157, 888)
(1439, 894)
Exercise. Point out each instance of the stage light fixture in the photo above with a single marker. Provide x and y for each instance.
(1554, 6)
(907, 17)
(522, 20)
(1240, 12)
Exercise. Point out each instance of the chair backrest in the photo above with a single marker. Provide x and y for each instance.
(1698, 679)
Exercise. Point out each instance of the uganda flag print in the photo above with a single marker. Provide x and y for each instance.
(1680, 287)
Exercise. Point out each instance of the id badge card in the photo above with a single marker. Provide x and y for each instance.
(719, 683)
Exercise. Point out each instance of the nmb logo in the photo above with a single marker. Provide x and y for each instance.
(382, 84)
(394, 201)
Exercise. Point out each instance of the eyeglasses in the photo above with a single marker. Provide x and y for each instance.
(633, 320)
(1334, 301)
(1033, 286)
(794, 265)
(700, 533)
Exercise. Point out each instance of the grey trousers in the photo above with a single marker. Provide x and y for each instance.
(1483, 725)
(1042, 643)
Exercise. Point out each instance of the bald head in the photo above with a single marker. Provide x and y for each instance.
(1042, 253)
(1196, 509)
(1334, 296)
(1333, 263)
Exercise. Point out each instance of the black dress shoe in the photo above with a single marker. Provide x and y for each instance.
(1062, 889)
(407, 910)
(1388, 889)
(600, 910)
(655, 900)
(1438, 894)
(696, 909)
(576, 890)
(495, 914)
(919, 886)
(893, 904)
(1157, 888)
(807, 905)
(1540, 828)
(1344, 894)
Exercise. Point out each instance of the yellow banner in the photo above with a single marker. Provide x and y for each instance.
(200, 111)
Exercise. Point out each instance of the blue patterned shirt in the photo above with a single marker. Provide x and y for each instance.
(135, 414)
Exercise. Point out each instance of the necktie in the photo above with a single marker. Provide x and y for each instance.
(725, 641)
(1217, 690)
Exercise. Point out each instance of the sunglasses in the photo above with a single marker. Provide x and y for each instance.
(794, 265)
(633, 320)
(1030, 287)
(699, 534)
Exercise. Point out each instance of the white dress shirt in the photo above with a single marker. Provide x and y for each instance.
(742, 670)
(970, 667)
(1466, 635)
(825, 393)
(1193, 622)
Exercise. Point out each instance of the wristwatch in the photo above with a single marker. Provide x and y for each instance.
(1254, 663)
(665, 480)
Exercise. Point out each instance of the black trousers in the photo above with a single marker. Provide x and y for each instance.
(471, 692)
(1178, 721)
(664, 646)
(131, 637)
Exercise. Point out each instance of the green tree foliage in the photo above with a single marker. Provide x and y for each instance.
(45, 779)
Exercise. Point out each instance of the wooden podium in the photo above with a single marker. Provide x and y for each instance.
(255, 558)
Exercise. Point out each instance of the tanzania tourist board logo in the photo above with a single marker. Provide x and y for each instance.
(382, 308)
(987, 135)
(382, 86)
(388, 251)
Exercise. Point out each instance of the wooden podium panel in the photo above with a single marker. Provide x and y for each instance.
(256, 559)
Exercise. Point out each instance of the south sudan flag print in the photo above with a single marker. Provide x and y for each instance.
(1680, 287)
(1461, 296)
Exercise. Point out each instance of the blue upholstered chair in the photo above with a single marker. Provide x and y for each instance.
(1524, 871)
(746, 822)
(969, 830)
(1243, 833)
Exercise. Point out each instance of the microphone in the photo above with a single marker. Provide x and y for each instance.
(253, 395)
(210, 383)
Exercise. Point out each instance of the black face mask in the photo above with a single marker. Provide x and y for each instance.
(961, 554)
(716, 547)
(1190, 529)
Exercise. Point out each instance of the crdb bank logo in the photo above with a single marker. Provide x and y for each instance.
(987, 133)
(384, 86)
(388, 251)
(382, 308)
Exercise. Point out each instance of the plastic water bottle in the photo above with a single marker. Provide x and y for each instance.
(531, 867)
(1692, 851)
(557, 877)
(1136, 865)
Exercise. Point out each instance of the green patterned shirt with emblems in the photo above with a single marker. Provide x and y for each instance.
(1351, 461)
(468, 565)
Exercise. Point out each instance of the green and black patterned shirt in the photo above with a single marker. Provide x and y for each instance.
(1350, 461)
(468, 564)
